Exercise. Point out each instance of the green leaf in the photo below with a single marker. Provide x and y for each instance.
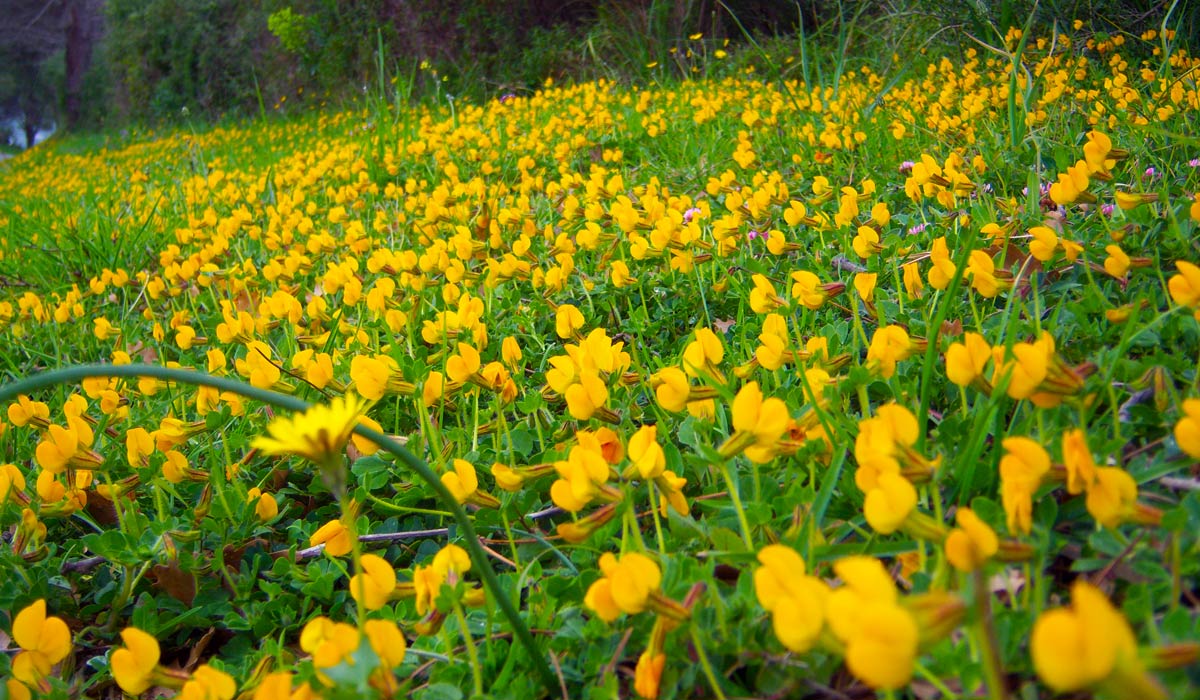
(726, 540)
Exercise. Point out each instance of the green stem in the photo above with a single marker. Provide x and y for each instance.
(405, 509)
(992, 667)
(932, 678)
(71, 375)
(934, 330)
(662, 543)
(732, 486)
(350, 522)
(472, 653)
(698, 645)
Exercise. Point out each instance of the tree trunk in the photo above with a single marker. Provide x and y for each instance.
(82, 30)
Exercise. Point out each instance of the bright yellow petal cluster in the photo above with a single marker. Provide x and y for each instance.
(44, 641)
(1087, 645)
(626, 587)
(795, 600)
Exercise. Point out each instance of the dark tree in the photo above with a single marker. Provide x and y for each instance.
(40, 39)
(83, 26)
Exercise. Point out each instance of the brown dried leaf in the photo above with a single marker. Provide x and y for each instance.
(179, 584)
(101, 509)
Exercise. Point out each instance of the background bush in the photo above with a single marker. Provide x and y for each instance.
(162, 60)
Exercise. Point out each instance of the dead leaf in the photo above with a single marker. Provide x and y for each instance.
(723, 326)
(179, 584)
(952, 328)
(101, 509)
(198, 649)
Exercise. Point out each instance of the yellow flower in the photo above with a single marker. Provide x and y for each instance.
(1112, 496)
(22, 412)
(327, 641)
(366, 446)
(883, 445)
(138, 446)
(461, 482)
(913, 285)
(645, 453)
(810, 292)
(12, 482)
(620, 274)
(1089, 644)
(451, 561)
(1081, 466)
(704, 354)
(1026, 372)
(764, 298)
(758, 424)
(568, 320)
(587, 396)
(1117, 263)
(278, 686)
(1185, 286)
(943, 268)
(56, 448)
(965, 361)
(319, 435)
(463, 366)
(982, 271)
(334, 536)
(795, 600)
(510, 353)
(133, 665)
(207, 683)
(1044, 243)
(374, 583)
(370, 376)
(648, 673)
(17, 690)
(866, 242)
(386, 641)
(1132, 200)
(1099, 153)
(865, 580)
(889, 503)
(671, 388)
(436, 389)
(1187, 430)
(864, 614)
(265, 505)
(1022, 467)
(864, 284)
(582, 474)
(889, 345)
(972, 543)
(626, 586)
(1072, 185)
(882, 652)
(258, 366)
(44, 641)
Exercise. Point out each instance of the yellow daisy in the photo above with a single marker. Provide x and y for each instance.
(319, 435)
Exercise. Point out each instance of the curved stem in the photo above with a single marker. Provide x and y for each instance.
(479, 558)
(698, 645)
(732, 485)
(472, 652)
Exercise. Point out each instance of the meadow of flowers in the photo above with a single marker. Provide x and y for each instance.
(720, 388)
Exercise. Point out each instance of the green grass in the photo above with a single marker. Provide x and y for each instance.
(377, 250)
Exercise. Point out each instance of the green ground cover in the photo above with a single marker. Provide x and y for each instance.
(870, 386)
